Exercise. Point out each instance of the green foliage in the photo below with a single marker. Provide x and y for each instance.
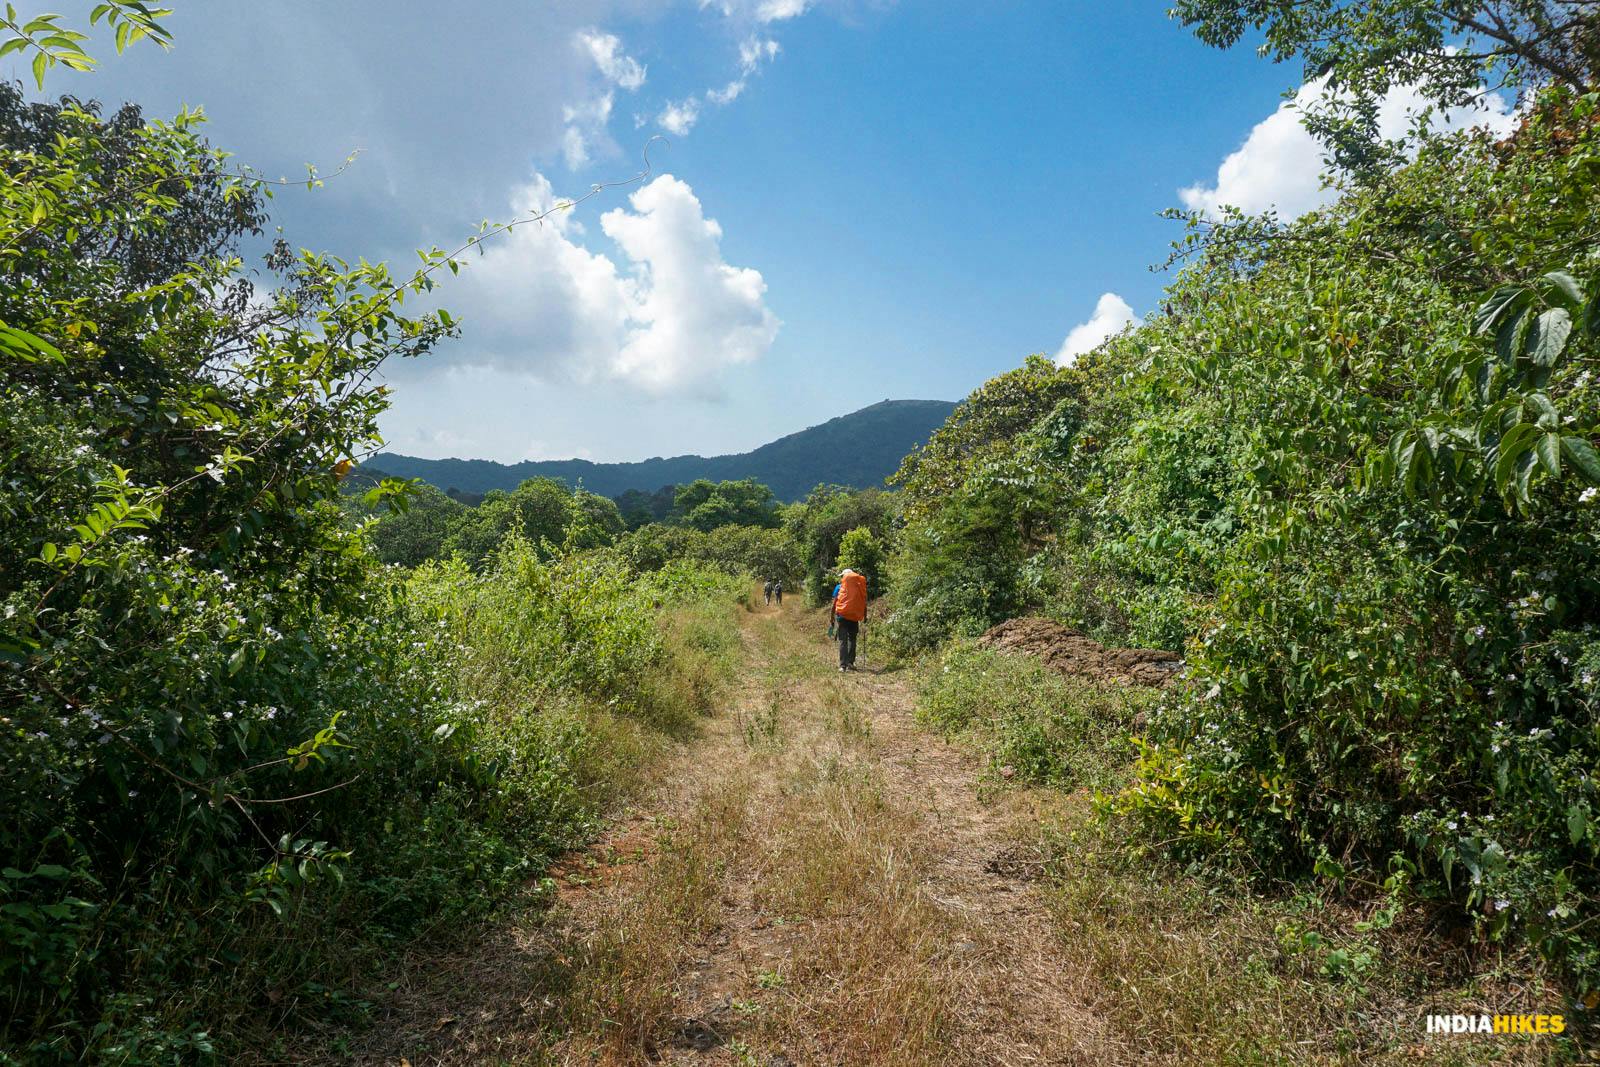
(640, 508)
(1336, 471)
(415, 533)
(50, 43)
(542, 511)
(979, 431)
(242, 757)
(706, 505)
(862, 552)
(746, 551)
(819, 524)
(1043, 727)
(1445, 50)
(981, 500)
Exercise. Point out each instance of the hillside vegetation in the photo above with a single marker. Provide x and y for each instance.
(1349, 471)
(858, 450)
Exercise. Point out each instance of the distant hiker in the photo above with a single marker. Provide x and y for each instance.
(777, 591)
(769, 591)
(850, 605)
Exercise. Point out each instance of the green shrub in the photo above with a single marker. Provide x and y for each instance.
(1046, 728)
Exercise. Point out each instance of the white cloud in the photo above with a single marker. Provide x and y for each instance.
(776, 10)
(695, 314)
(759, 10)
(586, 124)
(753, 51)
(586, 127)
(727, 94)
(606, 50)
(1111, 314)
(671, 319)
(679, 118)
(1280, 164)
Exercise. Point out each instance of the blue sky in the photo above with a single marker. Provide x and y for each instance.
(908, 198)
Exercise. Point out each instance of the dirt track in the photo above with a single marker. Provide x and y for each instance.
(816, 882)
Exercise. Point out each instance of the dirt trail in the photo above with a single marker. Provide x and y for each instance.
(816, 881)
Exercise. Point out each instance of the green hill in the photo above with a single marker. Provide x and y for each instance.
(858, 450)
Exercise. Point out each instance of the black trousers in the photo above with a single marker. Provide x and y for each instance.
(848, 630)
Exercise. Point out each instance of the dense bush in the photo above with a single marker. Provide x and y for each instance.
(864, 553)
(819, 524)
(1043, 727)
(981, 501)
(242, 758)
(1350, 468)
(751, 551)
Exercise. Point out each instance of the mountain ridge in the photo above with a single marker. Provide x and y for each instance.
(858, 450)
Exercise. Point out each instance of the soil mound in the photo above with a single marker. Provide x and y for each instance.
(1067, 651)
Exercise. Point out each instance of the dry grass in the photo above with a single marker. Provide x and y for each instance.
(816, 880)
(1198, 969)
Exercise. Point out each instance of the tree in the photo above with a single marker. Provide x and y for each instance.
(417, 533)
(640, 508)
(706, 505)
(981, 429)
(1449, 51)
(862, 552)
(819, 524)
(182, 603)
(542, 510)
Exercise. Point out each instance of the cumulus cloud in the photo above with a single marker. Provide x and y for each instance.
(1111, 314)
(670, 319)
(679, 118)
(618, 67)
(587, 122)
(586, 126)
(752, 53)
(759, 10)
(1280, 164)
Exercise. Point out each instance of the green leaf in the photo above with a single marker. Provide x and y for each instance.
(1549, 337)
(1577, 823)
(1548, 449)
(1564, 288)
(1502, 302)
(1512, 447)
(1581, 454)
(1512, 334)
(39, 63)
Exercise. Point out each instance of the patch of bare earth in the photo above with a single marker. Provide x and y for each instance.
(1074, 653)
(815, 881)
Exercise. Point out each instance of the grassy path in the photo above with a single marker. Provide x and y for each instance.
(814, 881)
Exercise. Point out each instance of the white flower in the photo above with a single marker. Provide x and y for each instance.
(1588, 495)
(1502, 904)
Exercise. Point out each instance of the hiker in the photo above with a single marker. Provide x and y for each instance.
(769, 592)
(777, 591)
(850, 605)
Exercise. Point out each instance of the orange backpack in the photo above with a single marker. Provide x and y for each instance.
(851, 603)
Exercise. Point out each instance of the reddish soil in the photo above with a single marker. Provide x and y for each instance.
(1068, 651)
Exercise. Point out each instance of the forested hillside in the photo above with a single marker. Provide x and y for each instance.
(858, 450)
